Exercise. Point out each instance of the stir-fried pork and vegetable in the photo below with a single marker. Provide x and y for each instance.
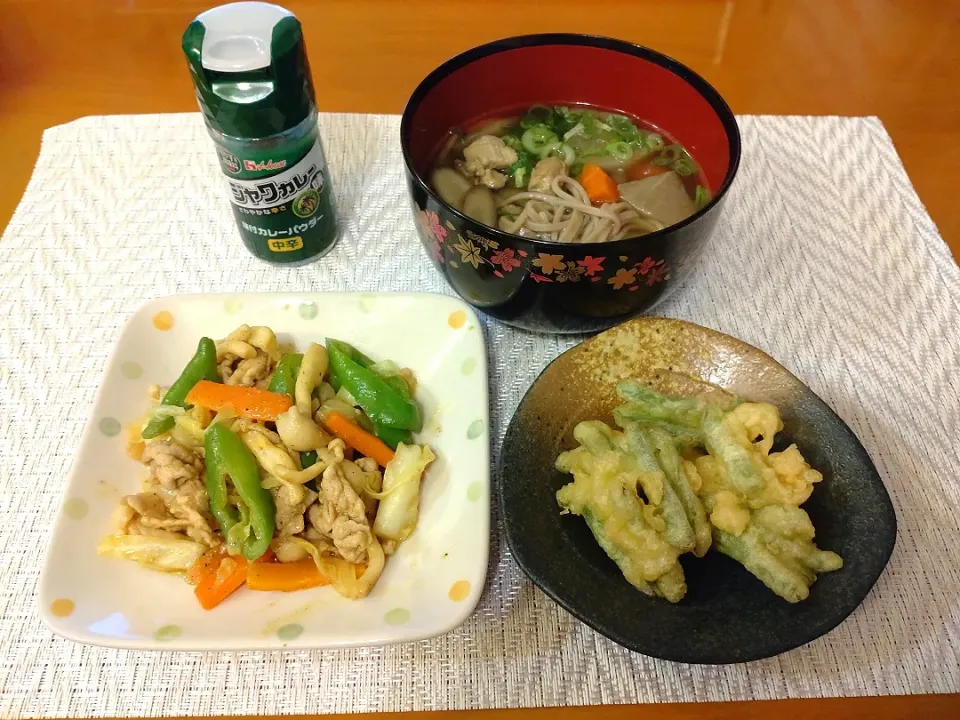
(275, 469)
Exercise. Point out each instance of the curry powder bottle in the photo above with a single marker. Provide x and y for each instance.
(249, 66)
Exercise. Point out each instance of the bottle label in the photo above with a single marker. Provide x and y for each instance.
(281, 199)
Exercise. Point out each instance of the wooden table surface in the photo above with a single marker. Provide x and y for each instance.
(899, 60)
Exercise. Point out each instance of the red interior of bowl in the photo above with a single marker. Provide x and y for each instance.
(567, 74)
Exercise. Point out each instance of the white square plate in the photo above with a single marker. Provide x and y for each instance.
(429, 587)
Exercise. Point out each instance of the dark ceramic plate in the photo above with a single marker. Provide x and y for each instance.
(728, 615)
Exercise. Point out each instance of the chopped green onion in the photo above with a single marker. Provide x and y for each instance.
(536, 138)
(677, 159)
(654, 142)
(624, 128)
(520, 170)
(620, 150)
(561, 150)
(537, 115)
(672, 152)
(577, 129)
(576, 169)
(685, 165)
(520, 177)
(589, 123)
(563, 120)
(512, 141)
(702, 196)
(552, 148)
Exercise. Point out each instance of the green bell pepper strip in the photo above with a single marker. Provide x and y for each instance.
(398, 384)
(202, 366)
(247, 526)
(284, 381)
(383, 403)
(359, 358)
(392, 436)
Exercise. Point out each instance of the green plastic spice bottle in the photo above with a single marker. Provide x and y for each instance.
(249, 67)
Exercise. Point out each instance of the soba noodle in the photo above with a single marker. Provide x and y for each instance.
(568, 216)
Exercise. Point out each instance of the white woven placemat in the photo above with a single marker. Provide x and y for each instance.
(824, 257)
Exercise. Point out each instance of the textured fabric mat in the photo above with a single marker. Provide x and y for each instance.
(824, 258)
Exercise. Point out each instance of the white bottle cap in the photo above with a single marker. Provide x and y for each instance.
(237, 36)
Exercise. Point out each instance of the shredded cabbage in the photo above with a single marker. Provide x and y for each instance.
(399, 507)
(385, 367)
(225, 416)
(342, 574)
(325, 392)
(162, 411)
(188, 431)
(344, 395)
(167, 554)
(343, 407)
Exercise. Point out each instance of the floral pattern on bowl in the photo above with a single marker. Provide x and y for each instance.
(476, 250)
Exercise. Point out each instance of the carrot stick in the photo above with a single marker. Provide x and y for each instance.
(600, 187)
(641, 170)
(359, 439)
(285, 577)
(204, 565)
(250, 403)
(228, 575)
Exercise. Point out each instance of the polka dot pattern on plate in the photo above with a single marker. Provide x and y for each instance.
(109, 426)
(459, 590)
(468, 366)
(457, 319)
(62, 607)
(475, 430)
(290, 632)
(232, 305)
(367, 302)
(474, 490)
(131, 370)
(163, 320)
(76, 508)
(397, 616)
(167, 633)
(308, 310)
